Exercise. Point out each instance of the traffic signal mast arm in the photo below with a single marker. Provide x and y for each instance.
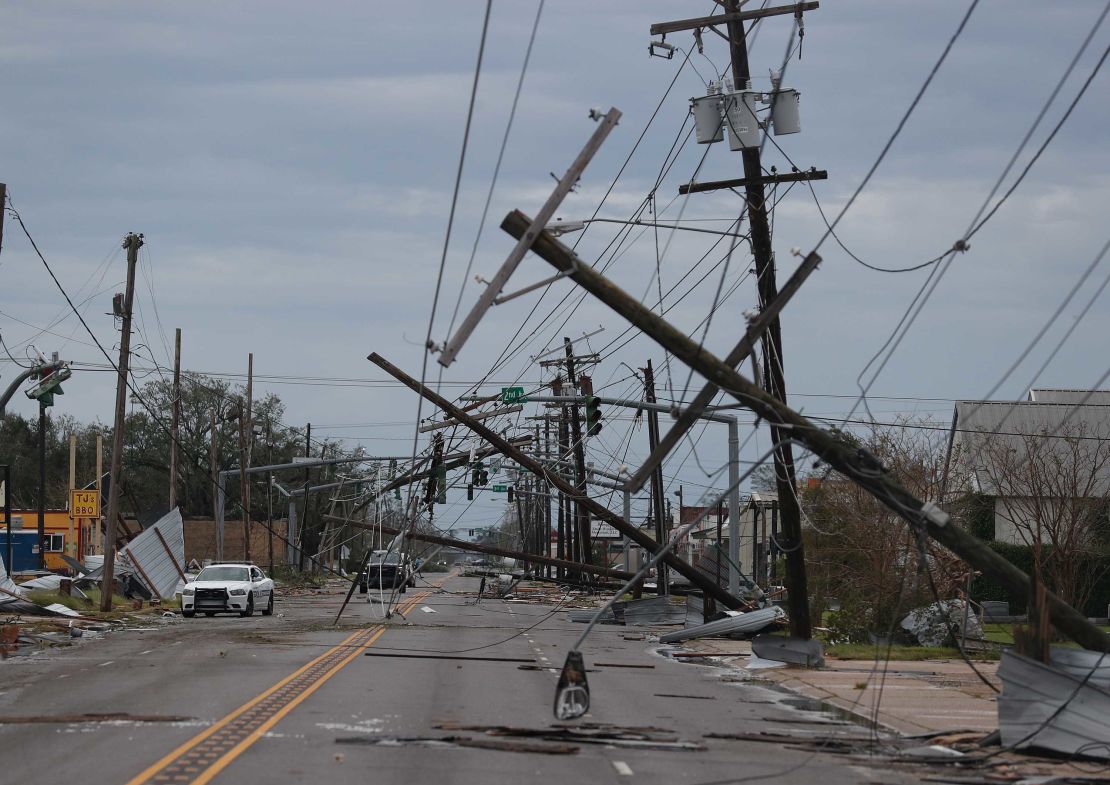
(51, 369)
(853, 463)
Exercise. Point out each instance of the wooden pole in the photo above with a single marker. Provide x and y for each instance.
(175, 422)
(98, 535)
(695, 577)
(657, 475)
(132, 243)
(840, 455)
(582, 515)
(71, 541)
(246, 435)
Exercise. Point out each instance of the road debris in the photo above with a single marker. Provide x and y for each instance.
(643, 737)
(743, 623)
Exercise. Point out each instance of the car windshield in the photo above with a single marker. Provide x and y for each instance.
(390, 558)
(224, 574)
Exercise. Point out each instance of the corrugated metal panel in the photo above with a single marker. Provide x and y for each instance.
(152, 562)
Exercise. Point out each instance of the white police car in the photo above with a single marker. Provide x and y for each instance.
(228, 588)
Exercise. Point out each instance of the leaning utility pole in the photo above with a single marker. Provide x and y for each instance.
(175, 422)
(132, 243)
(857, 465)
(661, 579)
(774, 381)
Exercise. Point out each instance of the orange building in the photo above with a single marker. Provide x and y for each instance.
(73, 538)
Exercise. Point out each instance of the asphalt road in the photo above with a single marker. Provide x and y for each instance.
(291, 699)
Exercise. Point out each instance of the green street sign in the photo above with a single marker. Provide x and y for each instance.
(513, 395)
(499, 488)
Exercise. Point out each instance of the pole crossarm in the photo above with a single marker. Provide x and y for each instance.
(740, 182)
(596, 509)
(845, 458)
(662, 28)
(752, 335)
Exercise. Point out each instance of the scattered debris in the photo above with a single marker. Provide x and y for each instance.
(940, 623)
(687, 697)
(796, 651)
(409, 656)
(68, 719)
(461, 741)
(587, 733)
(426, 609)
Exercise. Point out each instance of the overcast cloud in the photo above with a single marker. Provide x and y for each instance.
(291, 166)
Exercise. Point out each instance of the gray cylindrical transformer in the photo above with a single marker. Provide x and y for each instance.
(708, 123)
(784, 112)
(742, 122)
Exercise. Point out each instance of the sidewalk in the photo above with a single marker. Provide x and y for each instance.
(909, 697)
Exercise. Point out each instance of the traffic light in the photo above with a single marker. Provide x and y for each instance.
(593, 415)
(50, 384)
(480, 476)
(509, 492)
(470, 492)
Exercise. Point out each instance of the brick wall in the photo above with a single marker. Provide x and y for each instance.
(200, 540)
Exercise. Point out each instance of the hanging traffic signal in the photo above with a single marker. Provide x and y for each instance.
(593, 415)
(470, 492)
(50, 384)
(509, 496)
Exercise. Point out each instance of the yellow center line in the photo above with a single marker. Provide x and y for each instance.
(226, 751)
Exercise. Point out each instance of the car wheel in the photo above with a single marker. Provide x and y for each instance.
(188, 614)
(209, 614)
(249, 610)
(269, 611)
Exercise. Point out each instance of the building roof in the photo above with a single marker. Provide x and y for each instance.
(989, 436)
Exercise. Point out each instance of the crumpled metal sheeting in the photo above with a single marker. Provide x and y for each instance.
(150, 559)
(744, 622)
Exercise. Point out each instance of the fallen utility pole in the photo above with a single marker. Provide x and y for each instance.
(858, 466)
(695, 577)
(490, 550)
(107, 589)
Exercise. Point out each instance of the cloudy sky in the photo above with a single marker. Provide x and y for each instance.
(291, 166)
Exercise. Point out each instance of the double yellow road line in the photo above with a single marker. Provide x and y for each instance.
(200, 759)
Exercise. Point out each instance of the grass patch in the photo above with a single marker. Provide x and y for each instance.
(867, 651)
(90, 607)
(289, 577)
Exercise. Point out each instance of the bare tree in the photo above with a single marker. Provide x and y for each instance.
(1050, 492)
(860, 552)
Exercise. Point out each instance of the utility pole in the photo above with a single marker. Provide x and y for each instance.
(71, 541)
(8, 513)
(107, 583)
(657, 504)
(42, 485)
(175, 422)
(270, 493)
(246, 436)
(98, 537)
(307, 481)
(566, 534)
(582, 515)
(773, 367)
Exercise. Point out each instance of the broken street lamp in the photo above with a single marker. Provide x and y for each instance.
(572, 694)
